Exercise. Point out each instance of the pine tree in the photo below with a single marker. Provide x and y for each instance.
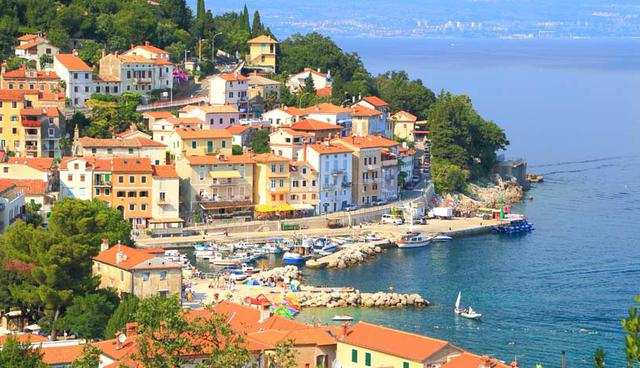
(245, 20)
(256, 28)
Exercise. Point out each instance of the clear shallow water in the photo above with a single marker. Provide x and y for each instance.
(572, 109)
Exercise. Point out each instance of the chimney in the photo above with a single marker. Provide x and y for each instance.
(264, 314)
(119, 255)
(74, 52)
(304, 151)
(353, 99)
(131, 328)
(318, 70)
(131, 46)
(105, 245)
(345, 329)
(146, 43)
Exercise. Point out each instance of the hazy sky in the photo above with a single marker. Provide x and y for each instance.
(446, 18)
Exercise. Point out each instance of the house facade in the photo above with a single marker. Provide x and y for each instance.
(230, 89)
(366, 121)
(404, 125)
(34, 46)
(320, 80)
(332, 114)
(77, 76)
(334, 165)
(135, 147)
(261, 88)
(282, 116)
(262, 52)
(31, 79)
(213, 116)
(185, 142)
(289, 143)
(271, 184)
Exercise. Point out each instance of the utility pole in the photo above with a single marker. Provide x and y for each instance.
(200, 50)
(213, 48)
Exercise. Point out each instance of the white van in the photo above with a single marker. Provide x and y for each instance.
(391, 219)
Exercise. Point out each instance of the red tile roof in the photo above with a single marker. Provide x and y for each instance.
(38, 163)
(27, 37)
(269, 157)
(28, 186)
(237, 129)
(296, 133)
(23, 338)
(59, 355)
(220, 159)
(139, 164)
(324, 148)
(135, 142)
(4, 186)
(359, 110)
(51, 112)
(192, 133)
(132, 258)
(149, 47)
(30, 44)
(262, 39)
(325, 108)
(164, 171)
(393, 342)
(375, 101)
(314, 125)
(14, 94)
(22, 74)
(368, 141)
(192, 122)
(404, 116)
(159, 114)
(291, 110)
(232, 77)
(468, 360)
(92, 163)
(73, 63)
(326, 91)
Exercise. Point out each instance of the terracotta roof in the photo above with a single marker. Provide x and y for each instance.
(30, 44)
(258, 80)
(319, 336)
(23, 338)
(28, 36)
(164, 171)
(237, 129)
(262, 39)
(51, 112)
(404, 116)
(359, 110)
(38, 163)
(324, 148)
(296, 133)
(132, 258)
(269, 157)
(54, 355)
(375, 101)
(191, 133)
(291, 110)
(114, 351)
(326, 91)
(468, 360)
(148, 47)
(72, 62)
(314, 125)
(22, 74)
(184, 121)
(393, 342)
(160, 61)
(325, 108)
(14, 94)
(5, 186)
(105, 78)
(138, 164)
(28, 186)
(313, 71)
(231, 77)
(368, 141)
(220, 159)
(159, 114)
(135, 142)
(211, 109)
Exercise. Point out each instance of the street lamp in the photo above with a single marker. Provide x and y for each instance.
(213, 48)
(185, 57)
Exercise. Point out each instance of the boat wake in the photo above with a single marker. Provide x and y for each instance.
(563, 163)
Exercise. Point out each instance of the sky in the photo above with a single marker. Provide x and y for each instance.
(446, 18)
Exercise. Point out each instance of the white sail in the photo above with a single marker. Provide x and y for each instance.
(458, 300)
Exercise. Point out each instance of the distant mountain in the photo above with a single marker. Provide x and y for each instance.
(446, 18)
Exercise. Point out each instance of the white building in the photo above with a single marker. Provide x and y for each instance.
(282, 116)
(162, 128)
(376, 103)
(214, 116)
(334, 165)
(76, 178)
(331, 114)
(33, 46)
(11, 204)
(165, 200)
(77, 76)
(320, 80)
(230, 89)
(289, 143)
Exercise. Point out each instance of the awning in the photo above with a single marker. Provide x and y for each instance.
(224, 174)
(165, 220)
(302, 207)
(275, 207)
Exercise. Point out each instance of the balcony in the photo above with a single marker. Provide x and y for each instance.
(32, 137)
(142, 80)
(336, 172)
(218, 183)
(372, 167)
(163, 201)
(31, 148)
(346, 184)
(393, 162)
(102, 183)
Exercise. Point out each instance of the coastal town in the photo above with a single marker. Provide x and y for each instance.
(136, 178)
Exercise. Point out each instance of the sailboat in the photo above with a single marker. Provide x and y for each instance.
(465, 312)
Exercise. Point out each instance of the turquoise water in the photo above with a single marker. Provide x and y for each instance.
(571, 110)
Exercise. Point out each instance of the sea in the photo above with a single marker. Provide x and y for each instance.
(570, 108)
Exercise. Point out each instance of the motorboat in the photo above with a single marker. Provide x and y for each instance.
(413, 239)
(298, 255)
(324, 246)
(465, 312)
(203, 251)
(441, 237)
(219, 260)
(272, 246)
(249, 270)
(343, 317)
(371, 238)
(237, 275)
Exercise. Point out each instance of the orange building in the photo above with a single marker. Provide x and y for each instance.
(31, 79)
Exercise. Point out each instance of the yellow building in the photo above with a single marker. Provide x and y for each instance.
(271, 185)
(185, 142)
(404, 125)
(262, 52)
(367, 345)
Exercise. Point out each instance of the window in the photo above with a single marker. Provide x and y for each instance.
(5, 169)
(304, 183)
(75, 75)
(367, 359)
(97, 89)
(313, 183)
(69, 177)
(405, 365)
(75, 89)
(76, 166)
(82, 178)
(233, 121)
(163, 275)
(354, 356)
(304, 197)
(144, 194)
(143, 207)
(163, 196)
(130, 151)
(132, 207)
(282, 197)
(294, 183)
(273, 168)
(221, 121)
(281, 168)
(313, 196)
(281, 183)
(224, 144)
(194, 144)
(121, 275)
(145, 276)
(132, 179)
(86, 76)
(120, 194)
(121, 179)
(86, 89)
(143, 179)
(230, 94)
(273, 183)
(107, 191)
(304, 170)
(93, 150)
(110, 151)
(131, 194)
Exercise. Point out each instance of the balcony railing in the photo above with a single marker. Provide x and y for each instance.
(102, 183)
(142, 80)
(32, 137)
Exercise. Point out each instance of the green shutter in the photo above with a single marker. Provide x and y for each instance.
(405, 365)
(107, 177)
(194, 144)
(367, 359)
(354, 355)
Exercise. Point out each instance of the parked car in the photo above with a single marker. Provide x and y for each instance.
(415, 179)
(351, 207)
(391, 219)
(380, 202)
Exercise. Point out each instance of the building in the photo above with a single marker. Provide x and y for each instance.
(304, 187)
(77, 76)
(332, 114)
(262, 52)
(230, 89)
(241, 135)
(318, 129)
(368, 345)
(283, 116)
(321, 81)
(185, 142)
(11, 204)
(213, 116)
(271, 185)
(136, 271)
(376, 103)
(134, 147)
(289, 143)
(165, 201)
(163, 128)
(260, 90)
(334, 165)
(366, 121)
(404, 125)
(33, 46)
(31, 79)
(35, 177)
(221, 186)
(150, 117)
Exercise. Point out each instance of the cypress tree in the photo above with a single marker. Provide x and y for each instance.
(256, 28)
(245, 20)
(200, 10)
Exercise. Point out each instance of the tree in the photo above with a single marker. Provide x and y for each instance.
(88, 315)
(401, 93)
(260, 142)
(236, 150)
(14, 63)
(309, 86)
(110, 117)
(33, 215)
(200, 9)
(59, 37)
(17, 355)
(284, 356)
(225, 347)
(257, 28)
(90, 357)
(631, 326)
(90, 52)
(598, 358)
(447, 177)
(124, 313)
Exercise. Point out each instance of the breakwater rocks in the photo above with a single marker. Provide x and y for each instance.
(331, 298)
(278, 273)
(350, 256)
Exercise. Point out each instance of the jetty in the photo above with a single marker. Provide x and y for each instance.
(351, 255)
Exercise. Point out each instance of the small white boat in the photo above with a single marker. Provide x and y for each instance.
(299, 254)
(343, 317)
(371, 238)
(442, 237)
(413, 239)
(465, 312)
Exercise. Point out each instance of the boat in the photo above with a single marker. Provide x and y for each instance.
(517, 226)
(343, 317)
(249, 270)
(237, 275)
(465, 312)
(219, 260)
(413, 239)
(324, 246)
(442, 237)
(203, 251)
(371, 238)
(298, 255)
